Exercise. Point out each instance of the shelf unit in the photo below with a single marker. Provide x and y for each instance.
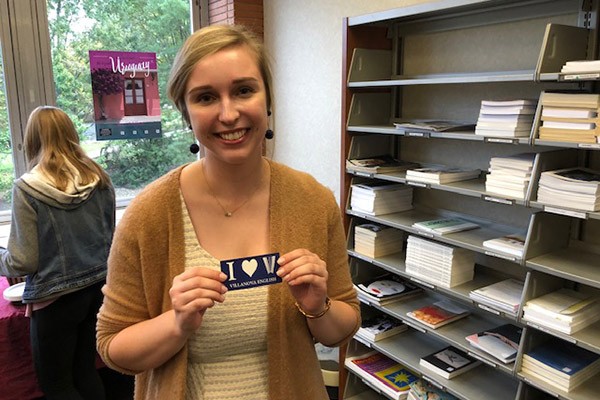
(436, 61)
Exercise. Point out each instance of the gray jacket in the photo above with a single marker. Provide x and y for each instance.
(59, 239)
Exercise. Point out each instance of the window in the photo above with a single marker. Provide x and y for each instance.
(7, 170)
(56, 71)
(158, 27)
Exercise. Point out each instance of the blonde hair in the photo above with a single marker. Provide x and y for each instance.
(205, 42)
(51, 142)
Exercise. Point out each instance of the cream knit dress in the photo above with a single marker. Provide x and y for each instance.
(228, 355)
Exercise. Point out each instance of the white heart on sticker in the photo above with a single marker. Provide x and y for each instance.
(249, 267)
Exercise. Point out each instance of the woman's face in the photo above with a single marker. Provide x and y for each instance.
(226, 102)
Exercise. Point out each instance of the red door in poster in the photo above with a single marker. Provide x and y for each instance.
(135, 97)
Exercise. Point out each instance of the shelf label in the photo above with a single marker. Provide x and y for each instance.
(509, 258)
(489, 309)
(418, 184)
(500, 200)
(568, 213)
(576, 77)
(429, 285)
(589, 145)
(501, 140)
(426, 234)
(434, 383)
(364, 174)
(418, 134)
(483, 360)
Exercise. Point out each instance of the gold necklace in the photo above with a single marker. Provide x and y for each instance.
(212, 193)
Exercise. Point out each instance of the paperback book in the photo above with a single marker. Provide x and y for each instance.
(513, 244)
(430, 125)
(449, 362)
(423, 390)
(385, 289)
(439, 313)
(377, 198)
(441, 174)
(505, 118)
(510, 176)
(376, 240)
(380, 327)
(564, 310)
(501, 342)
(382, 372)
(561, 364)
(442, 226)
(504, 295)
(577, 188)
(437, 263)
(378, 164)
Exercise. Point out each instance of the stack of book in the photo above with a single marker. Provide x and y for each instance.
(503, 296)
(449, 362)
(441, 174)
(439, 264)
(438, 314)
(569, 117)
(581, 69)
(577, 188)
(513, 244)
(423, 390)
(443, 226)
(390, 377)
(377, 198)
(378, 165)
(506, 118)
(510, 175)
(380, 327)
(385, 289)
(564, 310)
(501, 342)
(376, 240)
(560, 364)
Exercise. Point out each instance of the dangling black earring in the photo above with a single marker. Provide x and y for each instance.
(194, 148)
(269, 133)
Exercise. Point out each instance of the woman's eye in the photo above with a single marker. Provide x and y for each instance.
(246, 91)
(204, 98)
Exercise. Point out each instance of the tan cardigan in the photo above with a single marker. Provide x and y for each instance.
(148, 252)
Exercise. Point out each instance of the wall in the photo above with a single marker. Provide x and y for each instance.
(304, 39)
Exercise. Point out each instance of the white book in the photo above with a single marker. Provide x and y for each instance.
(506, 294)
(581, 66)
(443, 226)
(509, 103)
(563, 112)
(512, 110)
(568, 125)
(513, 244)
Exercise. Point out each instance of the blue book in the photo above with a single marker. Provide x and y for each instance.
(564, 358)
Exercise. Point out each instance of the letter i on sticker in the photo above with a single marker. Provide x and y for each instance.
(248, 272)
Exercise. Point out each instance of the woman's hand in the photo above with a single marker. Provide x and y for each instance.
(306, 274)
(192, 293)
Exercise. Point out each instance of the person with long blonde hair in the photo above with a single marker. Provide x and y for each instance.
(63, 219)
(168, 316)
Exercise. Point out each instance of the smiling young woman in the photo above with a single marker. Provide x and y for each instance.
(165, 273)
